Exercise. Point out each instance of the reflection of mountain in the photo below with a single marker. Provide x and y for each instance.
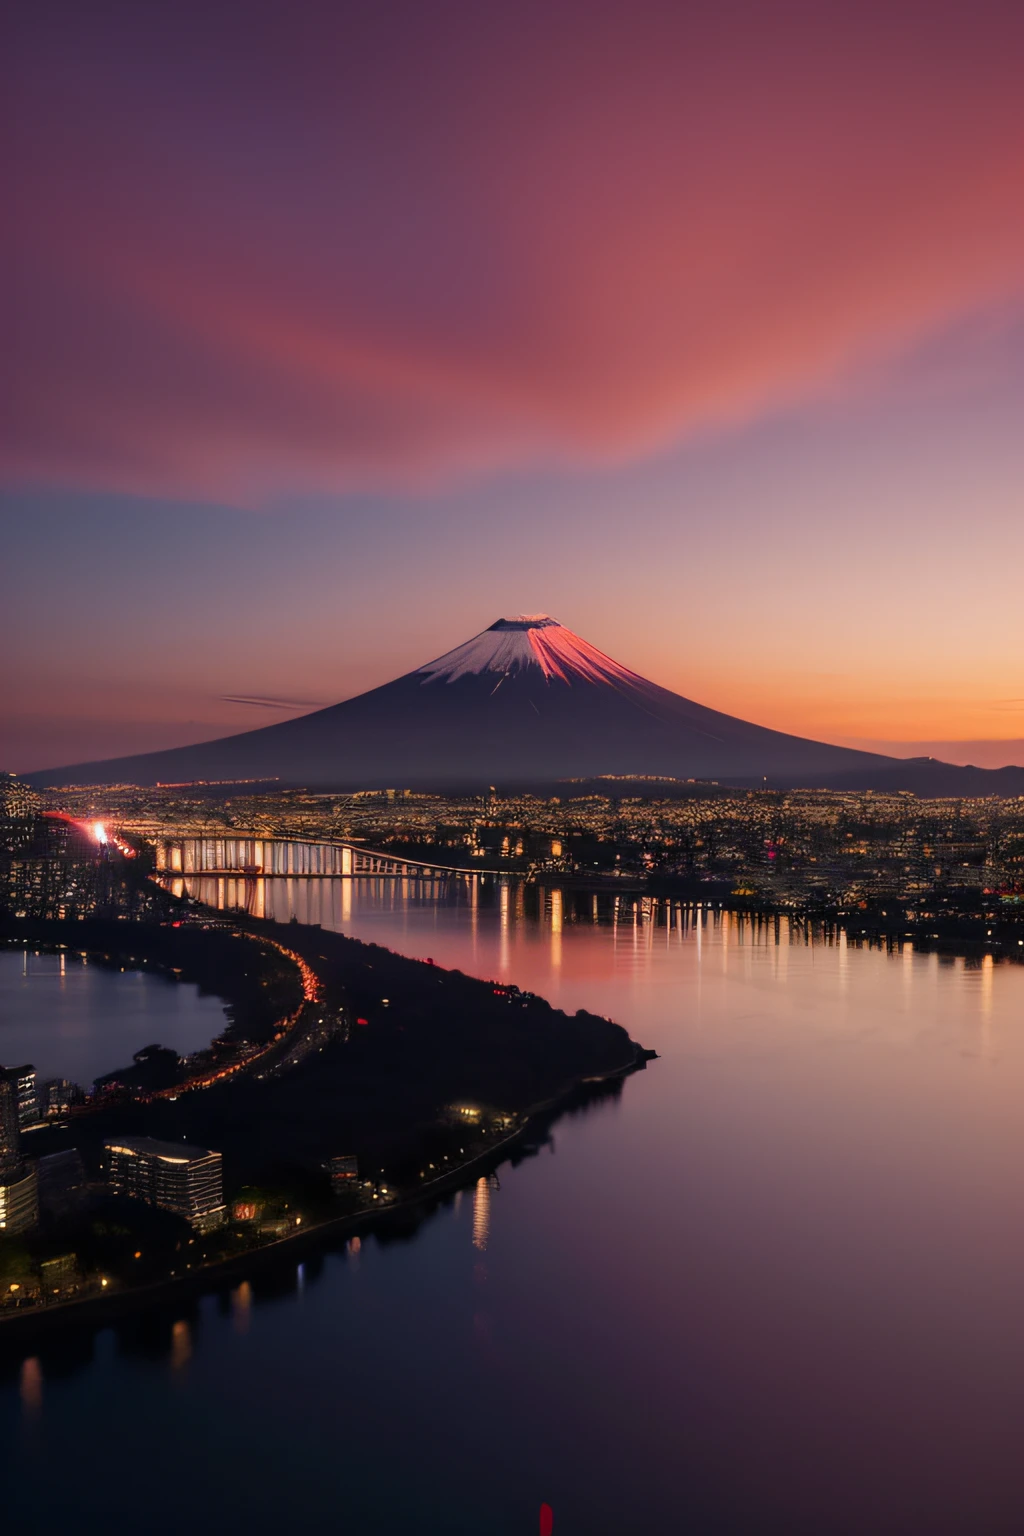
(528, 702)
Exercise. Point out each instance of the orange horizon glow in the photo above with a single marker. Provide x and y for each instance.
(699, 329)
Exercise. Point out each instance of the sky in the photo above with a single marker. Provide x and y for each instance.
(336, 331)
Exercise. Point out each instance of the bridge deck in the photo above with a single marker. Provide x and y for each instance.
(247, 856)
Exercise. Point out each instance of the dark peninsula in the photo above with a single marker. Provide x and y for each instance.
(335, 1049)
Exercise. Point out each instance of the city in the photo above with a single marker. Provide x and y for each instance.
(799, 850)
(886, 868)
(304, 1014)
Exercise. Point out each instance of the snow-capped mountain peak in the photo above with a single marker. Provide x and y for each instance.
(529, 640)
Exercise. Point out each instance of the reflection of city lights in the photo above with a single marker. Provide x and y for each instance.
(481, 1214)
(31, 1385)
(181, 1344)
(556, 929)
(241, 1306)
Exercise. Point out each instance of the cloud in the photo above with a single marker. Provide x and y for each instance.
(239, 698)
(395, 245)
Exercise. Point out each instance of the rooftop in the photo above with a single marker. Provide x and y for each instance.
(169, 1151)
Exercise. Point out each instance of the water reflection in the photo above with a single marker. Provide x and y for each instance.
(481, 1214)
(556, 929)
(181, 1344)
(772, 1284)
(78, 1017)
(31, 1386)
(547, 936)
(241, 1307)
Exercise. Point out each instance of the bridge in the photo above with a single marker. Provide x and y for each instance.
(252, 857)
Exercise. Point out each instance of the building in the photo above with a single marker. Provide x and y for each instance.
(186, 1180)
(344, 1172)
(26, 1093)
(17, 801)
(59, 1276)
(19, 1202)
(57, 1096)
(10, 1138)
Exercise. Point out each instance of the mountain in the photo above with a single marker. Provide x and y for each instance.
(527, 702)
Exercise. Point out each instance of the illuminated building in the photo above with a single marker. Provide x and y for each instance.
(10, 1140)
(19, 1202)
(344, 1172)
(17, 801)
(183, 1179)
(26, 1093)
(57, 1096)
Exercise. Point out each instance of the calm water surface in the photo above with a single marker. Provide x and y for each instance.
(776, 1286)
(74, 1018)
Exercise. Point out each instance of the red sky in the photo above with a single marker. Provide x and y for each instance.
(661, 266)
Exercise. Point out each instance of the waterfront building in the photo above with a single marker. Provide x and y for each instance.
(186, 1180)
(275, 1224)
(19, 1201)
(59, 1276)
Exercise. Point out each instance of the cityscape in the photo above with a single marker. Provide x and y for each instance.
(889, 870)
(797, 848)
(512, 769)
(71, 883)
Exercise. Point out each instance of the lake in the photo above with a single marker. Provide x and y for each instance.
(73, 1017)
(774, 1286)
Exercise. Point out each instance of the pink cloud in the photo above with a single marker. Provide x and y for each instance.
(258, 253)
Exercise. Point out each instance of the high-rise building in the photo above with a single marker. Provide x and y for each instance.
(57, 1096)
(19, 1203)
(26, 1093)
(186, 1180)
(17, 800)
(10, 1140)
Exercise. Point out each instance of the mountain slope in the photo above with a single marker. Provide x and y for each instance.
(526, 701)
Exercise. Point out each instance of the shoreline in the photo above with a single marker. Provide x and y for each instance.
(106, 1309)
